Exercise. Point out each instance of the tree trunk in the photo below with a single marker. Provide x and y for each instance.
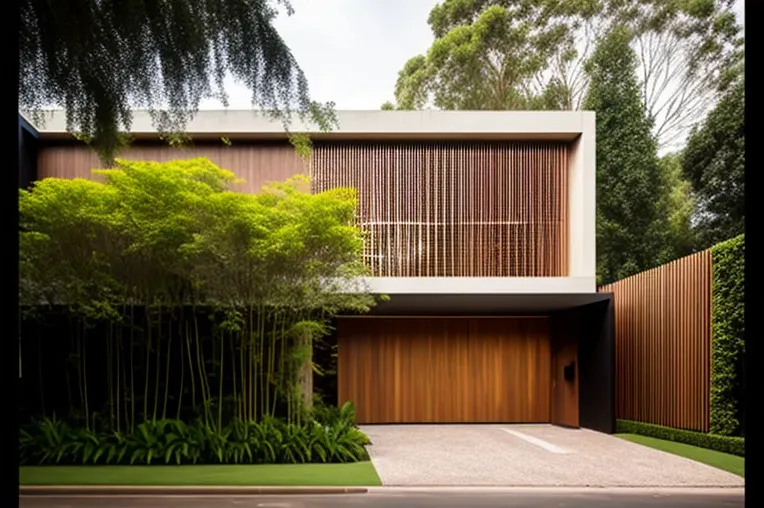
(306, 372)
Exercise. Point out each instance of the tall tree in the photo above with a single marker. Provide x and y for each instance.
(530, 54)
(99, 60)
(487, 52)
(679, 207)
(683, 48)
(631, 224)
(714, 162)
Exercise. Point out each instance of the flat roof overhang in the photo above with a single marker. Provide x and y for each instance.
(481, 304)
(362, 125)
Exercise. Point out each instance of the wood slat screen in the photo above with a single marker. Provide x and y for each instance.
(663, 342)
(490, 209)
(445, 370)
(256, 164)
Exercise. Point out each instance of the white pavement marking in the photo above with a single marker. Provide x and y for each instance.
(538, 442)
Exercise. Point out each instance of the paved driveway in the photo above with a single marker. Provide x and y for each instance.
(528, 455)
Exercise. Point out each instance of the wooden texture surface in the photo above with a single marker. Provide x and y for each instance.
(445, 370)
(564, 350)
(456, 209)
(662, 340)
(256, 164)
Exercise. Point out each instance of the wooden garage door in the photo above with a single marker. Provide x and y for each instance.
(447, 370)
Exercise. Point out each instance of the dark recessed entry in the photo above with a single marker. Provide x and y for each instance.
(569, 371)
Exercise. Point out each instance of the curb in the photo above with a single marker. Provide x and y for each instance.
(559, 489)
(116, 490)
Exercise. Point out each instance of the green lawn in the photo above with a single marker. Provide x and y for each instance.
(731, 463)
(346, 475)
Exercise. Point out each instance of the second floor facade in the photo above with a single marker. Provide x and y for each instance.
(470, 202)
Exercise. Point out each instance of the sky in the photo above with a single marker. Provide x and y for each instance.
(351, 50)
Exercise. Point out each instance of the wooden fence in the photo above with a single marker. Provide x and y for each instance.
(663, 344)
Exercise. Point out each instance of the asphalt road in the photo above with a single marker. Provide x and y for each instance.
(538, 499)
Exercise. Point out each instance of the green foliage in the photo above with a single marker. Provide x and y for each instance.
(486, 53)
(725, 444)
(714, 163)
(271, 441)
(727, 336)
(141, 258)
(631, 224)
(302, 144)
(99, 60)
(679, 205)
(530, 54)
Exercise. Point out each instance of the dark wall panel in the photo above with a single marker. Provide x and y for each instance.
(596, 366)
(27, 154)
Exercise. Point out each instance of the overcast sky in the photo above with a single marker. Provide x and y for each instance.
(351, 50)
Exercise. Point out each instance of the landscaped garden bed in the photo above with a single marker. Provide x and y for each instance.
(168, 320)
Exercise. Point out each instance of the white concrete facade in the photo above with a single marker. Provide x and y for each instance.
(575, 127)
(480, 285)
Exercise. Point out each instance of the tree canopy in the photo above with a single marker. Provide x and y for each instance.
(530, 54)
(630, 217)
(174, 232)
(714, 163)
(486, 53)
(100, 60)
(679, 207)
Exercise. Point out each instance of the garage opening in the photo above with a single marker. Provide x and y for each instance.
(449, 369)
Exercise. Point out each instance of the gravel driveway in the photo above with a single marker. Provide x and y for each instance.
(528, 455)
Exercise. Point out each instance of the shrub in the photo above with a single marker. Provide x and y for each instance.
(727, 342)
(726, 444)
(270, 441)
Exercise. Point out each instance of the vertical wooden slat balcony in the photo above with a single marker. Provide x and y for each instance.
(452, 209)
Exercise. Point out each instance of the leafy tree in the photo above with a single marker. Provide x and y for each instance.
(99, 60)
(486, 53)
(683, 49)
(714, 163)
(530, 54)
(679, 205)
(631, 225)
(387, 106)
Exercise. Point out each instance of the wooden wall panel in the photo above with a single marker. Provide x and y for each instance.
(456, 209)
(564, 350)
(256, 164)
(445, 370)
(663, 342)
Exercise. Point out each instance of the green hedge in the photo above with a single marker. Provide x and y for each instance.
(727, 344)
(726, 444)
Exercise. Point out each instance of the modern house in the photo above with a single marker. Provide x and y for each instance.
(481, 229)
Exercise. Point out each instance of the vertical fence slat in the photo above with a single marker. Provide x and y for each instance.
(662, 342)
